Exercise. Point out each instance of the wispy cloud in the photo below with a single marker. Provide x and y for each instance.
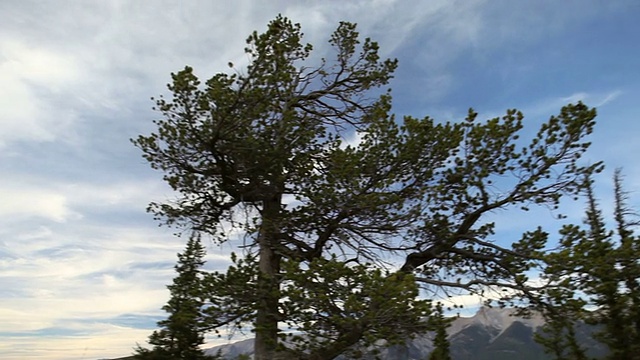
(33, 80)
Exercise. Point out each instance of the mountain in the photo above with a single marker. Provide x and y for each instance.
(232, 351)
(495, 334)
(491, 334)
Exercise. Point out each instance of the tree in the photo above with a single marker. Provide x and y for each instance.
(558, 335)
(440, 341)
(600, 268)
(181, 334)
(264, 150)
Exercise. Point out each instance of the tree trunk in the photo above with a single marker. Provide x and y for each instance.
(266, 325)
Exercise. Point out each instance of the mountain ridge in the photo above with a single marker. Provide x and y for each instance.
(490, 334)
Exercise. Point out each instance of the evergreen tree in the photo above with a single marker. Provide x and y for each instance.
(558, 334)
(598, 268)
(181, 334)
(265, 149)
(440, 341)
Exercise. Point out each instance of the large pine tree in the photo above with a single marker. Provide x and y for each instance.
(267, 149)
(181, 334)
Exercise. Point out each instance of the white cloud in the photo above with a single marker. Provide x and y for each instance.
(126, 194)
(80, 281)
(63, 201)
(104, 341)
(539, 111)
(469, 301)
(593, 99)
(30, 76)
(34, 202)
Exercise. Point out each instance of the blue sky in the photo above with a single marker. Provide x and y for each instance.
(83, 268)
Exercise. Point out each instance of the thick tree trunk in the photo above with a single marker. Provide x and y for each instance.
(266, 325)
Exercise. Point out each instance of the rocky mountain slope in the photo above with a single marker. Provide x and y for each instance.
(491, 334)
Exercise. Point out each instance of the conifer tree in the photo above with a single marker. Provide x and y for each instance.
(265, 148)
(440, 341)
(597, 268)
(181, 334)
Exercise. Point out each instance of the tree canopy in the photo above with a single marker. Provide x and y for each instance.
(594, 277)
(269, 151)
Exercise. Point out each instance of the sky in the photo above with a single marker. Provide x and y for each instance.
(83, 267)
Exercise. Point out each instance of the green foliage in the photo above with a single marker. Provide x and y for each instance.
(181, 334)
(558, 337)
(231, 296)
(265, 149)
(598, 268)
(338, 306)
(441, 344)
